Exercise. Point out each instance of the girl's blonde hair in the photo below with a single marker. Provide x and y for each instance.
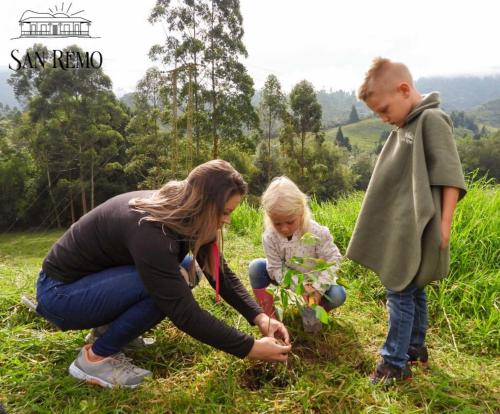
(283, 198)
(193, 208)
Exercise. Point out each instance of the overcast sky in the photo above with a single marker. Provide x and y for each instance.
(327, 42)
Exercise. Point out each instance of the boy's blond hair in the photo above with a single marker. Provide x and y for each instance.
(283, 198)
(383, 73)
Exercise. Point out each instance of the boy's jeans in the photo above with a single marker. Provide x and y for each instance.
(114, 296)
(259, 279)
(407, 324)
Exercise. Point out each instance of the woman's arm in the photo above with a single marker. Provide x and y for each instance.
(236, 295)
(155, 256)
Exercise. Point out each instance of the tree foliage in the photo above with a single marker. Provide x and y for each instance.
(353, 116)
(73, 130)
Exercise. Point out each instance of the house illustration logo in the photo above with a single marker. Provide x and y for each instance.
(56, 23)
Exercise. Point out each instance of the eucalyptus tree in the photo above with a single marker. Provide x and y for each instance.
(148, 161)
(207, 35)
(306, 113)
(271, 109)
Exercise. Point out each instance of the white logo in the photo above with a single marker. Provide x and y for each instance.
(407, 137)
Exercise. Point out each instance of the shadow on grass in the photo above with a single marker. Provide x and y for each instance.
(336, 345)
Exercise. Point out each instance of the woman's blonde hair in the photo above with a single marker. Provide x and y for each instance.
(193, 208)
(283, 198)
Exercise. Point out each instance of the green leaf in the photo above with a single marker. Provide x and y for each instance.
(284, 298)
(271, 290)
(309, 239)
(321, 314)
(342, 282)
(297, 260)
(279, 310)
(299, 290)
(287, 280)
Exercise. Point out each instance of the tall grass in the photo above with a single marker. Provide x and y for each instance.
(248, 221)
(469, 296)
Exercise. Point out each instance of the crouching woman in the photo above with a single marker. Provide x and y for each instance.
(119, 267)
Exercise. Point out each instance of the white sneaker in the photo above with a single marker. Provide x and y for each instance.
(112, 371)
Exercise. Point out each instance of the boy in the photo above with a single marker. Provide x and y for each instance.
(403, 229)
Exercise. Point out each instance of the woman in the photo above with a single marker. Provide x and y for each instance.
(119, 266)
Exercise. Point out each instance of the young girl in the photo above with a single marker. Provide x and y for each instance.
(287, 219)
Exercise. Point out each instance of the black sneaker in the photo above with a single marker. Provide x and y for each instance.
(418, 355)
(387, 373)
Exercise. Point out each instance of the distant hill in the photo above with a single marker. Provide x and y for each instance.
(462, 93)
(364, 134)
(6, 93)
(489, 113)
(459, 93)
(336, 106)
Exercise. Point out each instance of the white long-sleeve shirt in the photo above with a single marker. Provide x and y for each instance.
(279, 250)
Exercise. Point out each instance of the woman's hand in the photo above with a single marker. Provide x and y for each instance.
(269, 349)
(272, 327)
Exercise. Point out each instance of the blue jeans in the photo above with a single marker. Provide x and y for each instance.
(114, 296)
(407, 323)
(259, 279)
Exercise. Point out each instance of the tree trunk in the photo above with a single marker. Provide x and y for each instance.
(189, 127)
(82, 185)
(215, 139)
(174, 120)
(72, 206)
(302, 162)
(269, 147)
(92, 186)
(195, 60)
(51, 195)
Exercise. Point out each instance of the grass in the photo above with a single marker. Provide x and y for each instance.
(324, 374)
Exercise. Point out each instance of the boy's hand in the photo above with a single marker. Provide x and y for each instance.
(445, 234)
(272, 327)
(449, 196)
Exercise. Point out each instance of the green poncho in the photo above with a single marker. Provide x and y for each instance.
(398, 233)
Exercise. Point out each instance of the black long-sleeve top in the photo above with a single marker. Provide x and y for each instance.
(110, 235)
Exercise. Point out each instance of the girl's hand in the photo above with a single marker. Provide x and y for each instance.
(272, 328)
(269, 349)
(311, 295)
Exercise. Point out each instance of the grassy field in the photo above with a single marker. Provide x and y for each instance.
(364, 134)
(325, 374)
